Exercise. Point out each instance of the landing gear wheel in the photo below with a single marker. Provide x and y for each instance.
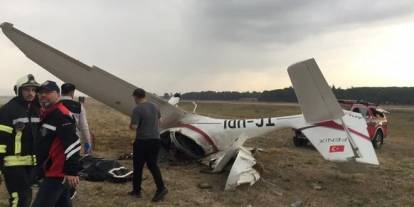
(378, 140)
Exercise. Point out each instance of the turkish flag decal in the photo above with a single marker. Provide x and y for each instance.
(337, 148)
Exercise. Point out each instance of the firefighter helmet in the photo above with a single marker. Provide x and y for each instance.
(25, 81)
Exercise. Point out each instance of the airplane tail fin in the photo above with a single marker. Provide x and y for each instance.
(337, 135)
(315, 97)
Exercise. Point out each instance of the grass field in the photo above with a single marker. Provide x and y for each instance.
(289, 174)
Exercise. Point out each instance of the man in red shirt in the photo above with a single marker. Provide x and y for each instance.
(58, 149)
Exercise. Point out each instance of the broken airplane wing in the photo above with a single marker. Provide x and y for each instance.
(108, 89)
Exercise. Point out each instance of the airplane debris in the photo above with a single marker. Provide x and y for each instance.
(317, 186)
(298, 203)
(242, 171)
(204, 185)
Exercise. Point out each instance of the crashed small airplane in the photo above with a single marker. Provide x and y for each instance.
(340, 136)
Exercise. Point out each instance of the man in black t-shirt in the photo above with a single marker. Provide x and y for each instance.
(145, 119)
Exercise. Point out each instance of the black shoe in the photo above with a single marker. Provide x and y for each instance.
(159, 195)
(136, 194)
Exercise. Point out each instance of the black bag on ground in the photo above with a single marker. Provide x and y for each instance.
(99, 169)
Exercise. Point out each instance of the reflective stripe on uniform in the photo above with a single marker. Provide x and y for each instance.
(19, 160)
(34, 160)
(3, 148)
(35, 119)
(18, 143)
(48, 126)
(6, 128)
(26, 120)
(15, 199)
(22, 120)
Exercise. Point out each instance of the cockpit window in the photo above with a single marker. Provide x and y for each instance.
(364, 112)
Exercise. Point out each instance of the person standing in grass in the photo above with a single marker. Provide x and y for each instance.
(58, 149)
(19, 120)
(79, 113)
(145, 120)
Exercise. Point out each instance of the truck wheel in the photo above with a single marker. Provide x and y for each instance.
(299, 142)
(378, 140)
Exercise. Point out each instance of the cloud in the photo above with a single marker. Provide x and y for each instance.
(278, 21)
(197, 44)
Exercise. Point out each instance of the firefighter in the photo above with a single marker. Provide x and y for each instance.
(19, 119)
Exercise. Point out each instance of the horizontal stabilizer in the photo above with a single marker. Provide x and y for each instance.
(357, 128)
(333, 144)
(340, 143)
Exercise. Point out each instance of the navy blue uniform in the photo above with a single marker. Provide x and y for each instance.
(19, 121)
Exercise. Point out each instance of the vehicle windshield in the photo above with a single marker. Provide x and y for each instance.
(363, 111)
(377, 113)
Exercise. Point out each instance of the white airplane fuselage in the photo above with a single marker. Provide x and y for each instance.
(214, 135)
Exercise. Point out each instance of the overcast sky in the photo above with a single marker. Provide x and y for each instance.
(243, 45)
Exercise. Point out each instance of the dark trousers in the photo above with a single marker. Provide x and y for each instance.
(53, 193)
(18, 182)
(146, 151)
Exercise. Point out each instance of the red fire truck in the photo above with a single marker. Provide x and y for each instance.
(375, 117)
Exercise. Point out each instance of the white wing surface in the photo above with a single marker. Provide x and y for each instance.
(92, 81)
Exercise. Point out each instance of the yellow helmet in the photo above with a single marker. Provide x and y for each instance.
(25, 81)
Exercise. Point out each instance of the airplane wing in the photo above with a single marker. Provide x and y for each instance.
(92, 81)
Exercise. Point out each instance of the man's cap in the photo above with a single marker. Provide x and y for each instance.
(49, 86)
(67, 87)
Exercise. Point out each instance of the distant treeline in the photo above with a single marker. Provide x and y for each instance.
(380, 95)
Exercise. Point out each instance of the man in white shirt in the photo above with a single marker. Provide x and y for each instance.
(82, 127)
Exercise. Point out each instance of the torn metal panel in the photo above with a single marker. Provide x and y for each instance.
(174, 100)
(242, 171)
(220, 160)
